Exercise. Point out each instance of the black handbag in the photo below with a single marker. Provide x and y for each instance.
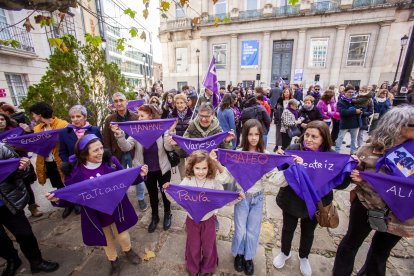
(293, 131)
(173, 157)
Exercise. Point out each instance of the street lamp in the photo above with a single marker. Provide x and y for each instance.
(406, 70)
(145, 71)
(198, 70)
(404, 40)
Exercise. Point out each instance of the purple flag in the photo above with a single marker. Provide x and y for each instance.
(8, 167)
(397, 192)
(12, 133)
(192, 144)
(133, 105)
(320, 173)
(101, 193)
(399, 161)
(248, 167)
(39, 142)
(146, 132)
(199, 201)
(210, 82)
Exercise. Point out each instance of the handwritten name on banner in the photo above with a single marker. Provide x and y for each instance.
(101, 193)
(200, 201)
(256, 164)
(12, 133)
(192, 144)
(41, 143)
(146, 132)
(8, 167)
(397, 192)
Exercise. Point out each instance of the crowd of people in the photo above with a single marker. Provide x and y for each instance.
(315, 120)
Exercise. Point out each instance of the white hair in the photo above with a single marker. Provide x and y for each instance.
(78, 108)
(120, 95)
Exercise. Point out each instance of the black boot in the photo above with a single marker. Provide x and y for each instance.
(153, 225)
(248, 267)
(77, 209)
(115, 268)
(167, 220)
(12, 266)
(44, 266)
(67, 212)
(239, 263)
(132, 257)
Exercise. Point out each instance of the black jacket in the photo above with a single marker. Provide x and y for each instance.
(310, 115)
(258, 112)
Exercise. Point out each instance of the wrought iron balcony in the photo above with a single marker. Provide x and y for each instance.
(219, 15)
(250, 14)
(176, 25)
(286, 10)
(367, 3)
(325, 6)
(21, 35)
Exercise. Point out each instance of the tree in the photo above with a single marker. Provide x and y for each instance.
(78, 74)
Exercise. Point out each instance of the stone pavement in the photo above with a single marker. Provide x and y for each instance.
(61, 240)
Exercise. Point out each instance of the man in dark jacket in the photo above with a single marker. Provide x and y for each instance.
(13, 198)
(274, 95)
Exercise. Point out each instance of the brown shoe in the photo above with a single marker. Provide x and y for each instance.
(35, 212)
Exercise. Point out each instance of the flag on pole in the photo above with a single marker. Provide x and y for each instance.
(210, 82)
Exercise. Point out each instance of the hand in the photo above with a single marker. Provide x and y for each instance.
(144, 170)
(24, 163)
(355, 176)
(230, 136)
(356, 158)
(213, 154)
(115, 129)
(51, 197)
(171, 141)
(166, 185)
(303, 125)
(241, 196)
(172, 128)
(25, 127)
(280, 152)
(297, 159)
(358, 111)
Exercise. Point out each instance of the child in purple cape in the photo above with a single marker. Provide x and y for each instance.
(202, 171)
(100, 229)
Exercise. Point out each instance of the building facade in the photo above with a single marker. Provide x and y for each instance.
(328, 42)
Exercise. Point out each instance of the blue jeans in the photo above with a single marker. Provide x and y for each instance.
(126, 162)
(265, 140)
(341, 135)
(247, 222)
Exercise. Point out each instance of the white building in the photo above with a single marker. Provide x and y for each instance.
(341, 41)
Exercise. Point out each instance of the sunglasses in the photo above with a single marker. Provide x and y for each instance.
(410, 125)
(317, 89)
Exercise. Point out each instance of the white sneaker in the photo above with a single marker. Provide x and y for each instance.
(305, 267)
(279, 260)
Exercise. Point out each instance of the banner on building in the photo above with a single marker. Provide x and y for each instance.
(298, 75)
(250, 54)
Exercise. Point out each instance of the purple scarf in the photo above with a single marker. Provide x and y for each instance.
(349, 100)
(8, 167)
(295, 112)
(12, 133)
(315, 94)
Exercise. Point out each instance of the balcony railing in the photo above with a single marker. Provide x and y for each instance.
(250, 14)
(219, 15)
(367, 3)
(325, 6)
(21, 35)
(286, 10)
(175, 25)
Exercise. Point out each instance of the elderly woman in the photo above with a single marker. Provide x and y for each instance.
(289, 118)
(395, 128)
(317, 139)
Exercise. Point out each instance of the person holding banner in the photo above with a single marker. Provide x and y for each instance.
(98, 228)
(201, 254)
(157, 160)
(368, 208)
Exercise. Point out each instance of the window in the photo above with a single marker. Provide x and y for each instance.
(318, 52)
(222, 83)
(112, 45)
(181, 59)
(5, 31)
(221, 7)
(17, 86)
(220, 54)
(251, 5)
(358, 45)
(180, 85)
(179, 11)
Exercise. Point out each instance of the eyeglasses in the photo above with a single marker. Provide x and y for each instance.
(204, 116)
(317, 89)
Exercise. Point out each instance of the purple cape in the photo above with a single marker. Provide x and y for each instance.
(192, 144)
(199, 201)
(41, 143)
(100, 193)
(248, 167)
(399, 161)
(8, 167)
(12, 133)
(397, 192)
(146, 132)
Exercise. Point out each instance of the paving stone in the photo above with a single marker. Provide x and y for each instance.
(267, 233)
(141, 239)
(66, 235)
(227, 211)
(173, 249)
(145, 268)
(169, 272)
(178, 219)
(402, 266)
(225, 226)
(272, 210)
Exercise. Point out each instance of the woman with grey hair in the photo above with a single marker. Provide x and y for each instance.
(394, 128)
(289, 118)
(68, 137)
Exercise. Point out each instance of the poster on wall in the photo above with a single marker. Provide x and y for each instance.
(250, 54)
(298, 75)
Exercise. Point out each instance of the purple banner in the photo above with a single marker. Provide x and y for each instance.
(133, 105)
(41, 143)
(399, 161)
(320, 173)
(192, 144)
(146, 132)
(248, 167)
(101, 193)
(12, 133)
(397, 192)
(199, 201)
(8, 167)
(210, 81)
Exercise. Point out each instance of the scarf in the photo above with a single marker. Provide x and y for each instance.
(181, 114)
(309, 108)
(315, 94)
(380, 100)
(295, 112)
(80, 131)
(346, 99)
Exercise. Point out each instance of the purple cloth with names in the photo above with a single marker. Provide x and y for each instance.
(41, 143)
(320, 173)
(210, 81)
(146, 132)
(12, 133)
(101, 193)
(8, 167)
(397, 192)
(248, 167)
(199, 201)
(192, 144)
(399, 161)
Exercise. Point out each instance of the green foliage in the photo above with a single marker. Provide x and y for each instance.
(79, 76)
(130, 12)
(293, 2)
(10, 42)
